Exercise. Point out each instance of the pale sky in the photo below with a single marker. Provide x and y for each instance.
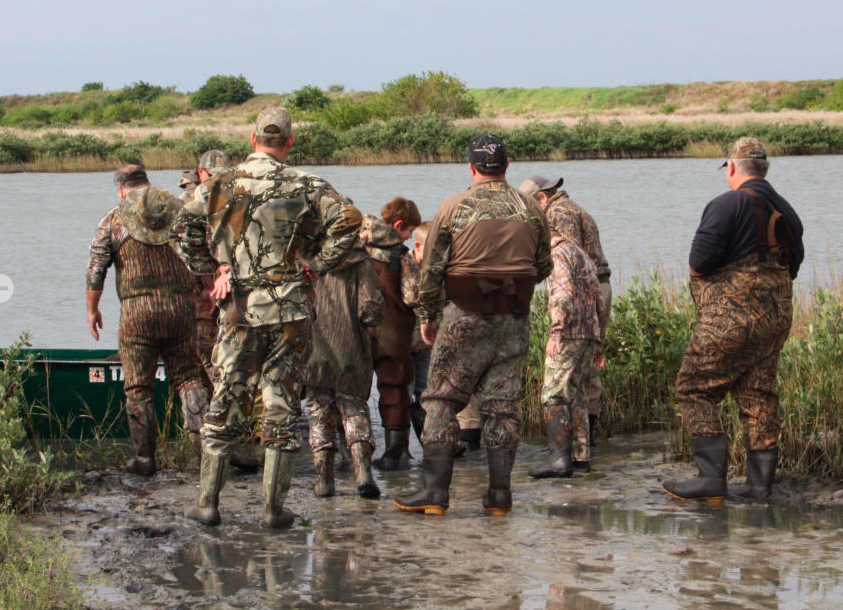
(281, 46)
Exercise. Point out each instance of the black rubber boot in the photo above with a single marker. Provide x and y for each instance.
(324, 463)
(592, 423)
(361, 454)
(144, 432)
(760, 472)
(498, 498)
(417, 419)
(397, 443)
(432, 499)
(469, 441)
(711, 454)
(581, 465)
(559, 463)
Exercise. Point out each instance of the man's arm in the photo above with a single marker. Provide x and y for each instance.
(712, 238)
(340, 229)
(560, 301)
(102, 256)
(544, 260)
(437, 253)
(369, 296)
(92, 298)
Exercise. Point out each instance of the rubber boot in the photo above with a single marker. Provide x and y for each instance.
(581, 465)
(361, 455)
(211, 480)
(278, 469)
(432, 499)
(323, 461)
(559, 463)
(760, 472)
(592, 423)
(144, 433)
(346, 459)
(498, 497)
(711, 453)
(469, 441)
(397, 443)
(417, 415)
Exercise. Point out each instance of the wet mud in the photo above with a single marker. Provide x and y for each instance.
(610, 539)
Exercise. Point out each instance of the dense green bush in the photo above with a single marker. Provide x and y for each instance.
(121, 112)
(140, 92)
(27, 481)
(14, 149)
(834, 99)
(344, 113)
(800, 99)
(60, 144)
(314, 143)
(309, 97)
(221, 90)
(92, 86)
(432, 92)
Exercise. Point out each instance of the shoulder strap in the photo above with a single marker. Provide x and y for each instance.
(772, 236)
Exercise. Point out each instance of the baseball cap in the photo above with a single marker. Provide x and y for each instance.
(277, 117)
(746, 148)
(487, 151)
(534, 184)
(214, 160)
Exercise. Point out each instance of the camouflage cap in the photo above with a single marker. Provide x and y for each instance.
(278, 117)
(147, 213)
(746, 148)
(188, 177)
(534, 184)
(214, 160)
(487, 151)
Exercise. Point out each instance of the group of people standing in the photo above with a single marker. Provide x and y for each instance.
(295, 288)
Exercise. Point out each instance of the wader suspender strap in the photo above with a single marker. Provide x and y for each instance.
(770, 240)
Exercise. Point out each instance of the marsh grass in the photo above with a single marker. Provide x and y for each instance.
(652, 322)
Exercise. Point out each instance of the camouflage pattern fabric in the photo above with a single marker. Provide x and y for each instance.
(273, 354)
(378, 238)
(147, 213)
(567, 218)
(492, 200)
(206, 338)
(573, 298)
(348, 303)
(469, 417)
(257, 218)
(188, 182)
(326, 409)
(595, 388)
(745, 311)
(567, 376)
(476, 354)
(410, 279)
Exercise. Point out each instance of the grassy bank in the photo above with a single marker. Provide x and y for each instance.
(646, 338)
(417, 139)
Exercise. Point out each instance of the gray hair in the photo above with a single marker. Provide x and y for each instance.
(752, 167)
(130, 176)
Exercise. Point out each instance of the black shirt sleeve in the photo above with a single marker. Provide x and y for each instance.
(714, 236)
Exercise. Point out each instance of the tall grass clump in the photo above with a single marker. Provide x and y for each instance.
(27, 478)
(34, 573)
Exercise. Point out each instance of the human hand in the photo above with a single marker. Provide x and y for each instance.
(222, 285)
(94, 321)
(553, 347)
(428, 332)
(600, 360)
(308, 272)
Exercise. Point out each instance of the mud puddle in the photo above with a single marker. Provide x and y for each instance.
(607, 540)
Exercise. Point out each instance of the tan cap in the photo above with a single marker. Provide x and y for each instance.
(534, 184)
(278, 117)
(147, 213)
(746, 148)
(214, 160)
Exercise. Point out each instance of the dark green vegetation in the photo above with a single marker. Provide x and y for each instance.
(222, 90)
(650, 327)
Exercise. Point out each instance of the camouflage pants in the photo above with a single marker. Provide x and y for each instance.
(324, 407)
(275, 356)
(206, 338)
(567, 382)
(148, 333)
(595, 388)
(469, 417)
(745, 312)
(479, 355)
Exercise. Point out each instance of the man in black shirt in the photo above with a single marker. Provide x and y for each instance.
(745, 253)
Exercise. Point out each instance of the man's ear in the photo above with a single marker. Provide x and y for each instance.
(254, 140)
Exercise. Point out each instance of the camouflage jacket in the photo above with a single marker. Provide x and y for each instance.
(110, 235)
(410, 279)
(467, 216)
(382, 242)
(573, 293)
(348, 303)
(259, 218)
(567, 218)
(188, 182)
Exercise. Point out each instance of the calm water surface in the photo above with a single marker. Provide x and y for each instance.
(647, 211)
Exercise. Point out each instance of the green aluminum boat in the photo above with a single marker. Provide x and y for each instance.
(79, 394)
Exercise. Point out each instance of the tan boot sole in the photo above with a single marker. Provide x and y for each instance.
(429, 509)
(498, 512)
(713, 502)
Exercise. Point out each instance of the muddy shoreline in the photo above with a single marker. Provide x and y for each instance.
(609, 539)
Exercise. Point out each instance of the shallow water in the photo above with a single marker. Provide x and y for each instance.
(647, 211)
(608, 540)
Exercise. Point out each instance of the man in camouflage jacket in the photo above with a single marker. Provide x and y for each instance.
(567, 218)
(265, 229)
(157, 308)
(487, 247)
(573, 302)
(339, 373)
(746, 251)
